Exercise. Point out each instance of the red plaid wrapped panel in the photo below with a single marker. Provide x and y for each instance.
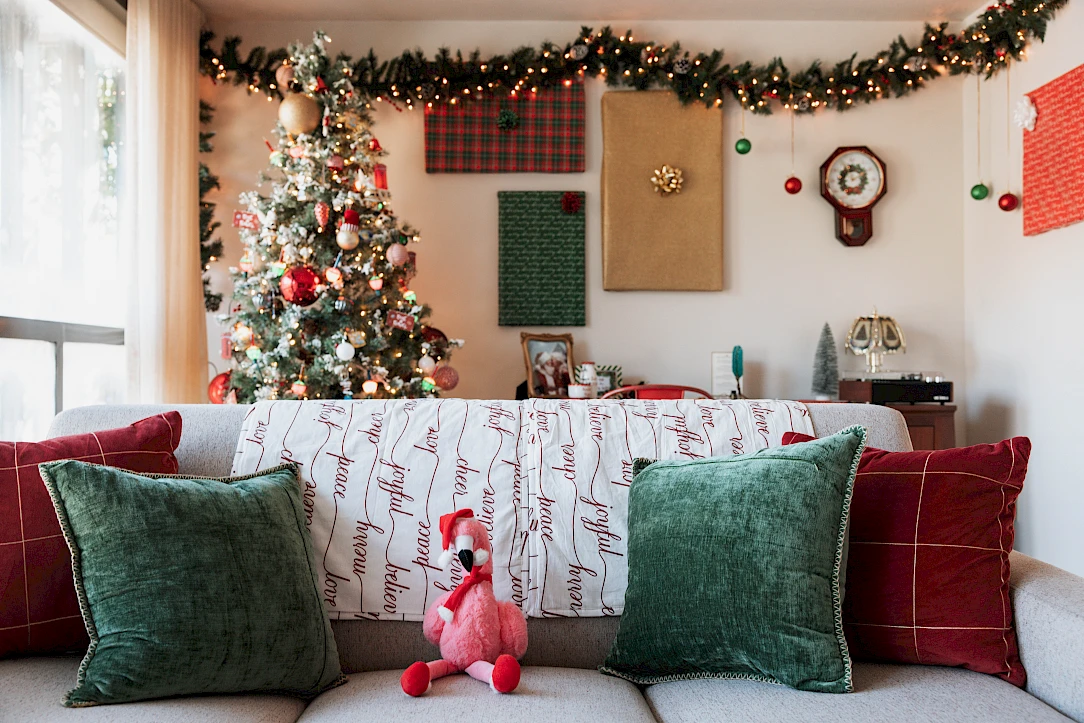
(547, 137)
(39, 610)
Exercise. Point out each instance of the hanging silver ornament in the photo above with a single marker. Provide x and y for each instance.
(428, 91)
(682, 66)
(578, 51)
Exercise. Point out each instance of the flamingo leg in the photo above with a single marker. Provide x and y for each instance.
(480, 670)
(440, 668)
(503, 676)
(417, 678)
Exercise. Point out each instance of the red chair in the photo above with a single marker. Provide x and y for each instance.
(656, 391)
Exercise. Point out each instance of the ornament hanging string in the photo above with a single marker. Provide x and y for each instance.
(1008, 130)
(792, 135)
(978, 128)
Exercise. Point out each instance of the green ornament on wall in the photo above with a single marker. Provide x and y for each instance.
(743, 146)
(979, 191)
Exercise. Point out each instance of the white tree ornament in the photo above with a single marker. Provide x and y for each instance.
(1024, 114)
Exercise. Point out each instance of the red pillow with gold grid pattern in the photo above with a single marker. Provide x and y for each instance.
(928, 566)
(39, 611)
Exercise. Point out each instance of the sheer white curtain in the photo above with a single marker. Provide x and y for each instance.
(166, 332)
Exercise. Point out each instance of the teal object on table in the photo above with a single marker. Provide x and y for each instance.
(735, 567)
(192, 585)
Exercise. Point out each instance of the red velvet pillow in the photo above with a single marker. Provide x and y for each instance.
(928, 566)
(39, 611)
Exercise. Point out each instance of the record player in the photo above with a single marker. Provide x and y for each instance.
(896, 388)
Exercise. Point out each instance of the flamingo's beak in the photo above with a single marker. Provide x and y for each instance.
(467, 558)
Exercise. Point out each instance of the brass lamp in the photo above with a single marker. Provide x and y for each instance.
(874, 336)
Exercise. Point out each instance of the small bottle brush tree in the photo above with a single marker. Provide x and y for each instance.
(826, 366)
(321, 304)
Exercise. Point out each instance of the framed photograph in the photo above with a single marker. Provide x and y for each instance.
(549, 363)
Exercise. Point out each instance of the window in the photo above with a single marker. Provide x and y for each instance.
(62, 290)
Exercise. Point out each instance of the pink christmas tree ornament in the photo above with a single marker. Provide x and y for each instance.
(477, 634)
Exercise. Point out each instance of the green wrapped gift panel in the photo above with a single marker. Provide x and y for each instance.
(542, 276)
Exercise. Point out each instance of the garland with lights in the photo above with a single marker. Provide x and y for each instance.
(999, 36)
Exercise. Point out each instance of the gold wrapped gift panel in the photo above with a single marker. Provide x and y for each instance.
(659, 240)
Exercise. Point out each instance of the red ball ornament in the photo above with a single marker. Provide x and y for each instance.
(793, 185)
(446, 378)
(218, 388)
(1008, 202)
(299, 284)
(397, 254)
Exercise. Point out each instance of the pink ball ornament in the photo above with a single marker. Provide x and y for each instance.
(397, 254)
(446, 378)
(336, 163)
(284, 75)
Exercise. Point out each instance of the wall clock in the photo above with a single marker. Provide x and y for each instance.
(853, 180)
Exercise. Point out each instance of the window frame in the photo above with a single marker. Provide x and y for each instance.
(58, 333)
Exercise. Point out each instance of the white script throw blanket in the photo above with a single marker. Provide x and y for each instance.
(548, 478)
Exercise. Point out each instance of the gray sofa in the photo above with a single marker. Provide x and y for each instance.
(560, 682)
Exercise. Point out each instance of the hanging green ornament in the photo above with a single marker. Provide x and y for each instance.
(743, 146)
(507, 120)
(979, 191)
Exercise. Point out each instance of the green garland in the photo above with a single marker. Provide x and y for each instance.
(210, 248)
(999, 36)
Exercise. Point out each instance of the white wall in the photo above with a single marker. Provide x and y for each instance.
(1022, 297)
(785, 273)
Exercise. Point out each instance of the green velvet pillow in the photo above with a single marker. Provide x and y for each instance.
(734, 568)
(191, 585)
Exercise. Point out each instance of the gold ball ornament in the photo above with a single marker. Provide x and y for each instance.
(667, 180)
(298, 113)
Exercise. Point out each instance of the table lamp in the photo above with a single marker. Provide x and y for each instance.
(874, 336)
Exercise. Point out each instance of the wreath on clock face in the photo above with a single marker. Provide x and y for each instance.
(853, 186)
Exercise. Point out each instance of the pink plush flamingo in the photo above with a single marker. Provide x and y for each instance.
(476, 633)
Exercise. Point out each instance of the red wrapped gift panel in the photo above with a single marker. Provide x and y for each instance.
(1054, 156)
(542, 133)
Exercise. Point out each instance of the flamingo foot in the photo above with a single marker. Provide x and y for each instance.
(506, 673)
(416, 679)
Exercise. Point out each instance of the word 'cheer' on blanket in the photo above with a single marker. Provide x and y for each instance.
(548, 478)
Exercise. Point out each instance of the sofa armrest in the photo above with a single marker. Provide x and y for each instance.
(1049, 607)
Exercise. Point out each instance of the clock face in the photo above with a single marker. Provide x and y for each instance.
(855, 179)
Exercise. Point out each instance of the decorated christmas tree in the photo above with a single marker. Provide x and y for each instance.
(322, 306)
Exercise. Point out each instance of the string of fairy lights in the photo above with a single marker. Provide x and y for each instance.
(997, 37)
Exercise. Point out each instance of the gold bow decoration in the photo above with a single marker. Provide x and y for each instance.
(667, 180)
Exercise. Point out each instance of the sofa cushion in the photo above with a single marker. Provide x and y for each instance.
(192, 585)
(39, 612)
(31, 690)
(562, 695)
(884, 693)
(734, 566)
(928, 562)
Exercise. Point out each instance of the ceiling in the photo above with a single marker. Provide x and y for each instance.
(832, 10)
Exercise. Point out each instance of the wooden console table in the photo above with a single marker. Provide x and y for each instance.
(931, 426)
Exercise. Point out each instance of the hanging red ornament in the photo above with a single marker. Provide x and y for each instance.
(217, 389)
(299, 284)
(446, 378)
(323, 213)
(1008, 202)
(397, 254)
(334, 275)
(793, 185)
(321, 86)
(336, 163)
(376, 283)
(246, 263)
(374, 145)
(299, 388)
(380, 176)
(296, 151)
